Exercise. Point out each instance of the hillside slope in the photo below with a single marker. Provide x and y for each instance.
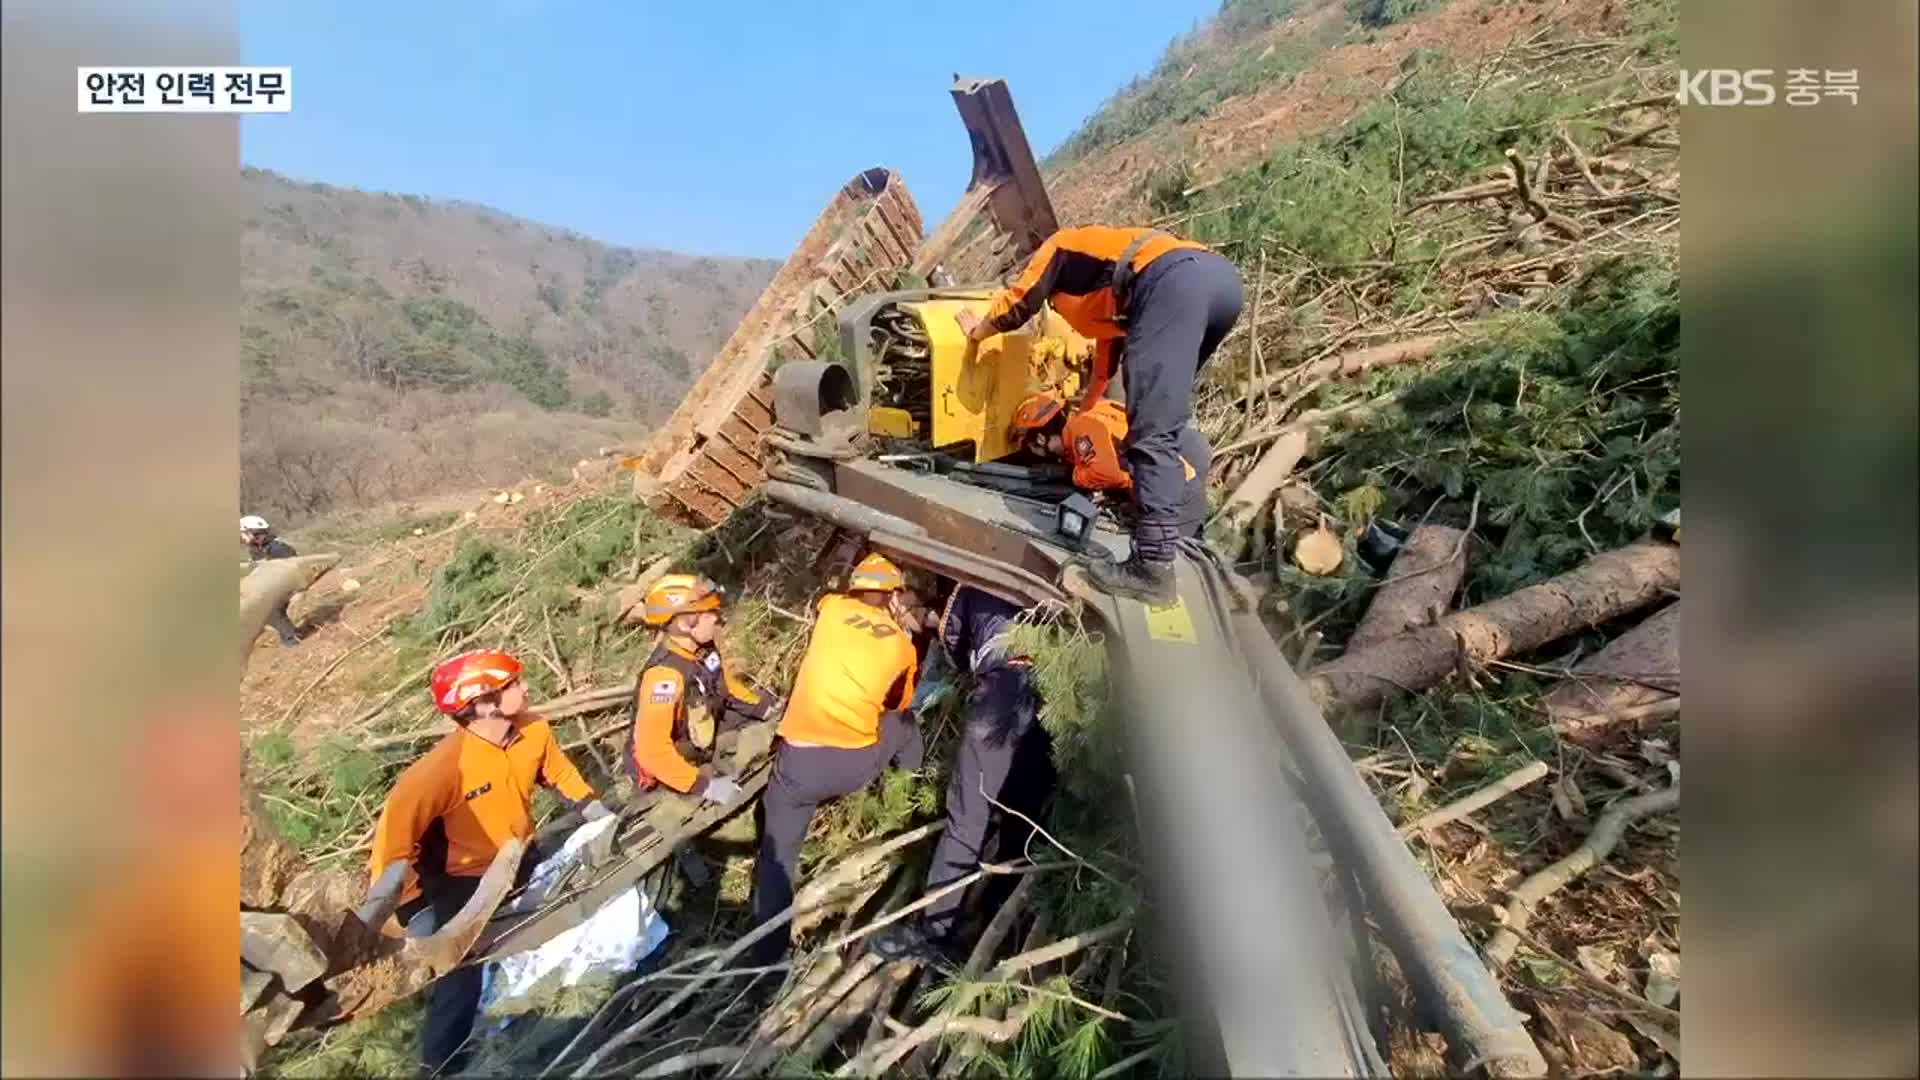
(376, 326)
(1265, 71)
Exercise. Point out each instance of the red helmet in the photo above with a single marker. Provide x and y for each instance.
(458, 681)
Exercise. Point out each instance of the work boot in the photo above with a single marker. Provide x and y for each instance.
(1149, 581)
(909, 939)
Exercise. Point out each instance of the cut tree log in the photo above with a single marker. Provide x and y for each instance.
(1607, 586)
(1419, 587)
(269, 584)
(1355, 362)
(1640, 667)
(1251, 496)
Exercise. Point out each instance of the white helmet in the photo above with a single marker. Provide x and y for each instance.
(252, 523)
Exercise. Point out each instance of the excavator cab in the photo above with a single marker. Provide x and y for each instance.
(923, 381)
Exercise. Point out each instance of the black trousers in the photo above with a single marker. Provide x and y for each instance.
(453, 1001)
(1183, 305)
(283, 625)
(1003, 754)
(803, 778)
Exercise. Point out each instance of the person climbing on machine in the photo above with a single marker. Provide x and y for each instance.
(1156, 307)
(262, 544)
(686, 695)
(1093, 443)
(1004, 758)
(449, 814)
(846, 722)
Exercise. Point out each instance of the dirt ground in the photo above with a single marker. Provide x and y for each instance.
(311, 690)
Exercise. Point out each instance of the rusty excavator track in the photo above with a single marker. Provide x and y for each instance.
(706, 462)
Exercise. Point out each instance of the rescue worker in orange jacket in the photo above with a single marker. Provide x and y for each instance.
(1156, 307)
(450, 812)
(1093, 443)
(686, 696)
(845, 723)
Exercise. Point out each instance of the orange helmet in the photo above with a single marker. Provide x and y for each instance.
(1036, 412)
(679, 594)
(458, 681)
(875, 572)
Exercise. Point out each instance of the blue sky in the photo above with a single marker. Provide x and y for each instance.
(711, 128)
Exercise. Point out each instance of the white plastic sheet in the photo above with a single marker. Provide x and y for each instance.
(613, 939)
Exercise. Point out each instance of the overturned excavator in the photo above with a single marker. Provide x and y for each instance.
(1275, 859)
(848, 393)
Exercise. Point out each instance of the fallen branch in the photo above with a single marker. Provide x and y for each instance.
(1604, 587)
(1579, 159)
(1356, 362)
(1479, 800)
(881, 1058)
(1624, 997)
(1492, 189)
(1592, 725)
(859, 1002)
(1634, 138)
(1312, 421)
(1539, 210)
(1425, 574)
(1600, 843)
(691, 1060)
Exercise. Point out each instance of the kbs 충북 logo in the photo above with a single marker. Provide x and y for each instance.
(186, 89)
(1758, 86)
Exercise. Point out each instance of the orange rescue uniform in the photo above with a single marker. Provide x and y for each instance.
(679, 699)
(859, 664)
(1092, 443)
(1073, 270)
(478, 794)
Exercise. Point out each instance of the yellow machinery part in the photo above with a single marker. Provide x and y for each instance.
(890, 423)
(977, 388)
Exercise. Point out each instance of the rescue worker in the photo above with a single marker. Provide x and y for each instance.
(262, 544)
(999, 731)
(686, 696)
(845, 723)
(449, 813)
(1156, 307)
(1093, 442)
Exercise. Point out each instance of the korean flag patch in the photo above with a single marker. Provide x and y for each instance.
(664, 691)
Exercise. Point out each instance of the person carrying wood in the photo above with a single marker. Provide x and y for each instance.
(262, 544)
(1156, 307)
(449, 813)
(1093, 443)
(686, 695)
(845, 723)
(1004, 758)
